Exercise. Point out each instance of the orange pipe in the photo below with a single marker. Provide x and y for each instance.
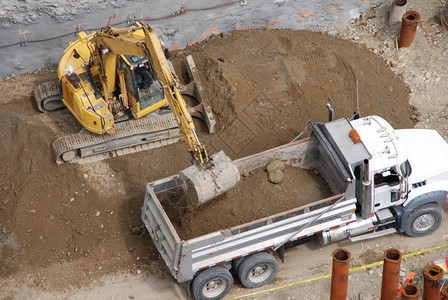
(391, 274)
(339, 275)
(410, 292)
(433, 280)
(444, 292)
(408, 28)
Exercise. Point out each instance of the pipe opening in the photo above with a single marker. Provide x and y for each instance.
(400, 2)
(433, 272)
(393, 254)
(341, 255)
(410, 290)
(411, 17)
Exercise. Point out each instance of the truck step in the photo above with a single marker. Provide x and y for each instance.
(373, 235)
(385, 216)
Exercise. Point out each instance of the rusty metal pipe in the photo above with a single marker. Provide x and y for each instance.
(391, 274)
(410, 292)
(444, 292)
(433, 280)
(408, 28)
(339, 275)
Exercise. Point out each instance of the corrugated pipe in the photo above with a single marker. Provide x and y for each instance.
(391, 274)
(433, 280)
(444, 293)
(410, 292)
(408, 28)
(339, 275)
(397, 11)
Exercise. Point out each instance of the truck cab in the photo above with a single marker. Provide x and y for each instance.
(400, 176)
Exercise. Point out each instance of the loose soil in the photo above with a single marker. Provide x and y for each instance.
(64, 226)
(244, 204)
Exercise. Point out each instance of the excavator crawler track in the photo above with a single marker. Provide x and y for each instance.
(47, 96)
(132, 136)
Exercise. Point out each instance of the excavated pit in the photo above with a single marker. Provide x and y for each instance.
(264, 85)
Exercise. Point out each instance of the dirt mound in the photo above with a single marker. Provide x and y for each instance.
(287, 77)
(76, 223)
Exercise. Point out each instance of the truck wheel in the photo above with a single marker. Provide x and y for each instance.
(236, 264)
(213, 283)
(257, 269)
(424, 220)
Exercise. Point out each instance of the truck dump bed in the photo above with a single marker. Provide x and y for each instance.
(185, 257)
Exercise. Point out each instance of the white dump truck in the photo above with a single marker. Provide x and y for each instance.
(382, 180)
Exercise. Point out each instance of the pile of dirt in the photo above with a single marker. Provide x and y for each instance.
(245, 204)
(64, 226)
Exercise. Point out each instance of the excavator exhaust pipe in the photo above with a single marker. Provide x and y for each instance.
(204, 184)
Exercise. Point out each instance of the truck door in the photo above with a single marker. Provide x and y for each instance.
(390, 187)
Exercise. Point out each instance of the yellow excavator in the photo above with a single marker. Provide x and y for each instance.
(118, 83)
(121, 74)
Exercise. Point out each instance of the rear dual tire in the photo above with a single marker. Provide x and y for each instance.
(253, 271)
(212, 284)
(257, 270)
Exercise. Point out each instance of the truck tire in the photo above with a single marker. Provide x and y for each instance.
(236, 264)
(424, 220)
(212, 284)
(257, 269)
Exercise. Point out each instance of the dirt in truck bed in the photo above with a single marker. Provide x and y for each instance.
(246, 203)
(63, 226)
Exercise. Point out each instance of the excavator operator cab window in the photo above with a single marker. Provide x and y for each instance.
(142, 81)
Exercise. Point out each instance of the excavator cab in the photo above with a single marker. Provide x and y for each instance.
(144, 91)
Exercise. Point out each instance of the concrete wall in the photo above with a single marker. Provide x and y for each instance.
(46, 27)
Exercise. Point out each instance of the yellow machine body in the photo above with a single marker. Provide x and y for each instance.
(98, 80)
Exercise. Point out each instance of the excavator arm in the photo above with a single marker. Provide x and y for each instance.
(175, 99)
(124, 42)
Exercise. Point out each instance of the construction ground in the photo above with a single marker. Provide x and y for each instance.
(74, 231)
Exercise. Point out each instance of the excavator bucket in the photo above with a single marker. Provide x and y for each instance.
(204, 184)
(195, 89)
